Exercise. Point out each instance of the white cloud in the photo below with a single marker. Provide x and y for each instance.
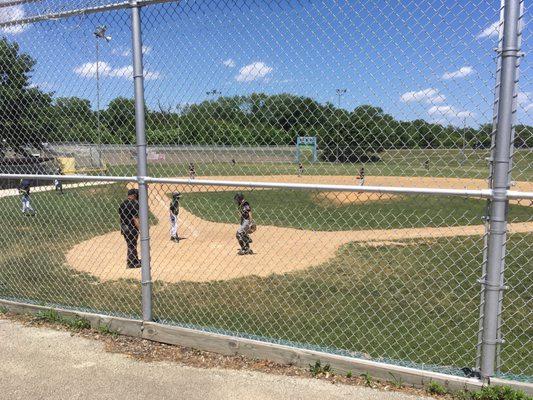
(11, 14)
(42, 86)
(230, 63)
(523, 97)
(439, 112)
(88, 70)
(127, 52)
(152, 75)
(254, 71)
(460, 73)
(490, 31)
(430, 96)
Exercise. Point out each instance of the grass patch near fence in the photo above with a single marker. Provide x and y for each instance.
(417, 302)
(32, 249)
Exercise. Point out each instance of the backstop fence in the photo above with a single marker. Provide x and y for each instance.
(408, 239)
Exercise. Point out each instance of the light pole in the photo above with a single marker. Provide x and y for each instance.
(213, 92)
(99, 33)
(463, 148)
(340, 92)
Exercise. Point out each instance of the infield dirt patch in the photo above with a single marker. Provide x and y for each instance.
(208, 251)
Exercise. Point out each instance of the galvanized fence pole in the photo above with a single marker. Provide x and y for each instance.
(500, 203)
(138, 76)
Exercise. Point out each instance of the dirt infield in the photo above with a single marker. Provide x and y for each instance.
(208, 251)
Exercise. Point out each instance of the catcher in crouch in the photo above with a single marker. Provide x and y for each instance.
(247, 225)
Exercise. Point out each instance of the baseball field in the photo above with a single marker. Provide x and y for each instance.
(370, 274)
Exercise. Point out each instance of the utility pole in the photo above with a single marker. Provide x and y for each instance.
(340, 92)
(99, 34)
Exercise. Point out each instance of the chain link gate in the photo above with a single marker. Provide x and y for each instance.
(359, 133)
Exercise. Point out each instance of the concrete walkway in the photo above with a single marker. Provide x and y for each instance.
(40, 363)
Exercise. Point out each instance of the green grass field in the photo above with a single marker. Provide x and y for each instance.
(442, 163)
(416, 303)
(307, 210)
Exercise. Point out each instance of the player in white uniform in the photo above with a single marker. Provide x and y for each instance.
(174, 211)
(24, 190)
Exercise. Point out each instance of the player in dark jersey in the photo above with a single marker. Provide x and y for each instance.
(129, 226)
(245, 228)
(300, 169)
(174, 211)
(192, 171)
(362, 176)
(58, 185)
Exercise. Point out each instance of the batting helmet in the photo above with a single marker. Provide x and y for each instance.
(176, 195)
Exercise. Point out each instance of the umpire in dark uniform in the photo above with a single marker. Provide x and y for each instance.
(129, 226)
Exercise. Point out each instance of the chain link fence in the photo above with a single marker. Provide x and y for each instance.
(367, 139)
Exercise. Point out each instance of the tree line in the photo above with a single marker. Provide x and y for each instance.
(31, 116)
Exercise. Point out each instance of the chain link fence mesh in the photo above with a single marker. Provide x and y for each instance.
(316, 92)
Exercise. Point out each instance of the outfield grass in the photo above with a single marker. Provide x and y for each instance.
(416, 303)
(448, 163)
(308, 210)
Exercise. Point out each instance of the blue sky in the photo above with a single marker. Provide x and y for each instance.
(432, 60)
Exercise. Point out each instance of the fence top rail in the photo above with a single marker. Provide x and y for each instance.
(12, 3)
(119, 5)
(87, 178)
(480, 193)
(322, 187)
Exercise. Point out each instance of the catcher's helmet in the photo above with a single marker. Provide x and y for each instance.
(238, 198)
(176, 195)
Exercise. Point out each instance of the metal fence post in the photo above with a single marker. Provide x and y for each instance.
(138, 76)
(500, 203)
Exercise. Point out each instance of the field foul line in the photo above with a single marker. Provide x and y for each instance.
(40, 189)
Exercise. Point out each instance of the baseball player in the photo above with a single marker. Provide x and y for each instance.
(174, 211)
(129, 226)
(192, 171)
(362, 176)
(300, 169)
(24, 190)
(58, 185)
(247, 225)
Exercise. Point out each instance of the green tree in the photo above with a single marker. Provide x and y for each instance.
(119, 120)
(523, 136)
(74, 119)
(23, 118)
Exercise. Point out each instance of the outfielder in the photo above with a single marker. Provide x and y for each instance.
(300, 169)
(58, 185)
(24, 190)
(247, 225)
(192, 171)
(362, 176)
(174, 211)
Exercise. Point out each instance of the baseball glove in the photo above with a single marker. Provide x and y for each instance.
(253, 227)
